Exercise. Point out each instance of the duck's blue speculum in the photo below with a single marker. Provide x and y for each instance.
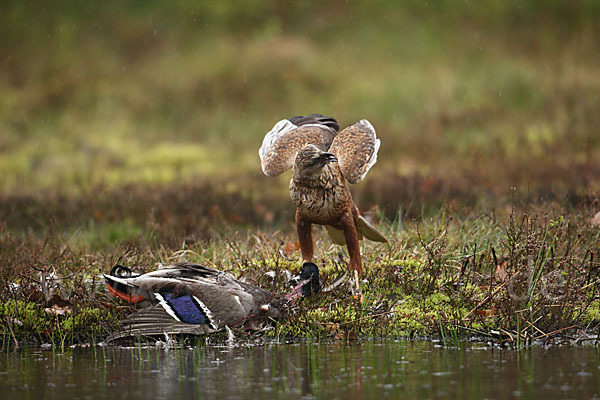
(186, 308)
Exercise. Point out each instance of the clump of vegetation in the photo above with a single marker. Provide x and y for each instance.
(530, 278)
(27, 322)
(516, 278)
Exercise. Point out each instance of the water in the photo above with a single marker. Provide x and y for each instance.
(307, 370)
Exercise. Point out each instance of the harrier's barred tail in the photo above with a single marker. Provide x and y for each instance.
(367, 230)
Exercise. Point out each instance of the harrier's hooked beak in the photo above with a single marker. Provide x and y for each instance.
(328, 157)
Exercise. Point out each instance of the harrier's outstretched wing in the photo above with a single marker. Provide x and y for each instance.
(281, 143)
(356, 149)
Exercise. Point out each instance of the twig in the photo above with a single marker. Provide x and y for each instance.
(556, 331)
(488, 298)
(8, 323)
(29, 278)
(589, 284)
(507, 333)
(535, 327)
(477, 331)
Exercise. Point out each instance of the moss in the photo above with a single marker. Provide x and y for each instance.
(592, 312)
(28, 322)
(90, 324)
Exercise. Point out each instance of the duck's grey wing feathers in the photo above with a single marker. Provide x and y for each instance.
(155, 321)
(186, 270)
(225, 306)
(224, 301)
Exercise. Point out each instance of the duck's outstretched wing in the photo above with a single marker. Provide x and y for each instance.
(155, 321)
(356, 150)
(187, 271)
(281, 143)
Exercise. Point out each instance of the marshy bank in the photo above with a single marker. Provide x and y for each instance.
(520, 273)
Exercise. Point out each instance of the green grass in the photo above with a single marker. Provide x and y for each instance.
(129, 133)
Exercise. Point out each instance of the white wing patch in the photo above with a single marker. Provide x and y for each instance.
(271, 137)
(166, 306)
(368, 125)
(207, 312)
(237, 298)
(373, 158)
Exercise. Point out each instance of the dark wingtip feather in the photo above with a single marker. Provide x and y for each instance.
(315, 119)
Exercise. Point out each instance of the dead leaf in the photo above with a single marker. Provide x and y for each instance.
(595, 221)
(288, 250)
(57, 310)
(488, 312)
(501, 272)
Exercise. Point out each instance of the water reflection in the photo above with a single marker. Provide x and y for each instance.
(344, 371)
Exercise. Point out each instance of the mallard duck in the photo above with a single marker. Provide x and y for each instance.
(193, 299)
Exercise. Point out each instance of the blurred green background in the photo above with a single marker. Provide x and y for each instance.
(470, 99)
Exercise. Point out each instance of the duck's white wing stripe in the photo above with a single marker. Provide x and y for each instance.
(166, 306)
(207, 312)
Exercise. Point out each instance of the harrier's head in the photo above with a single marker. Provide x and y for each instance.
(310, 160)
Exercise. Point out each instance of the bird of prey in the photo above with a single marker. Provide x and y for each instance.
(324, 162)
